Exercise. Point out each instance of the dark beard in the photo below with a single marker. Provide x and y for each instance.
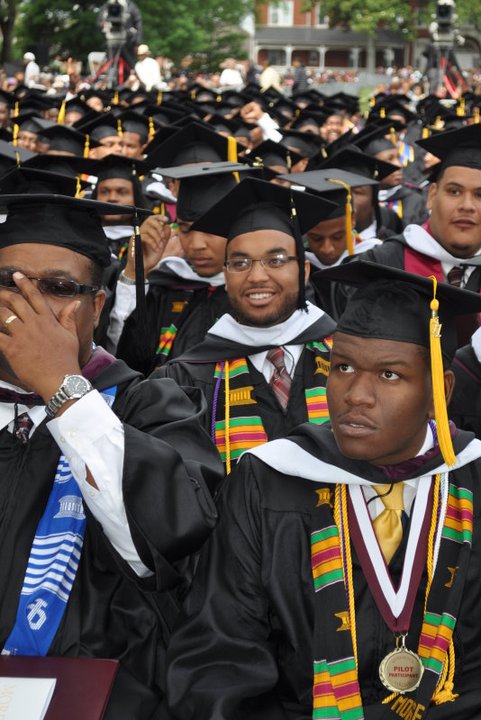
(277, 316)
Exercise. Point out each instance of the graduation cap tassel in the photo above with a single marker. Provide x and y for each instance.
(116, 100)
(61, 113)
(15, 135)
(87, 146)
(349, 233)
(120, 130)
(437, 374)
(16, 110)
(159, 97)
(425, 133)
(151, 127)
(232, 153)
(476, 116)
(78, 189)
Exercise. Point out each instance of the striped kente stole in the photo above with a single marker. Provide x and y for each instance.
(167, 334)
(236, 423)
(397, 206)
(336, 691)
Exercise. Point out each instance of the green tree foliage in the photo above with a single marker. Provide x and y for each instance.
(63, 26)
(206, 29)
(368, 15)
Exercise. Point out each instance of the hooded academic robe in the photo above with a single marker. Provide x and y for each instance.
(170, 471)
(244, 644)
(197, 368)
(179, 313)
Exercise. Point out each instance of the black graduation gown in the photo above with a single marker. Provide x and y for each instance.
(167, 292)
(196, 368)
(243, 645)
(413, 207)
(111, 613)
(465, 405)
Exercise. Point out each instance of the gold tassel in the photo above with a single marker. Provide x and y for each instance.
(16, 128)
(17, 158)
(232, 153)
(372, 101)
(162, 208)
(227, 417)
(78, 190)
(382, 113)
(16, 110)
(461, 109)
(151, 127)
(392, 135)
(159, 97)
(476, 116)
(61, 113)
(437, 374)
(349, 233)
(87, 146)
(425, 133)
(446, 694)
(120, 130)
(116, 98)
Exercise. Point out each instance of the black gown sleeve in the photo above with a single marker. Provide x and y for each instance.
(222, 659)
(171, 471)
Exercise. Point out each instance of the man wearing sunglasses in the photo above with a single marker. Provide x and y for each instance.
(262, 366)
(89, 525)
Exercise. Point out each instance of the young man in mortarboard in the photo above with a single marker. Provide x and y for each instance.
(186, 294)
(86, 508)
(342, 580)
(448, 245)
(263, 365)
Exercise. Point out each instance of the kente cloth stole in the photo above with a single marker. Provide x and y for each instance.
(53, 563)
(236, 423)
(336, 691)
(167, 334)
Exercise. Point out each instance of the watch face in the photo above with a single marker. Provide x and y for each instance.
(76, 385)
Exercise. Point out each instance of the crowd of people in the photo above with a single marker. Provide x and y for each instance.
(240, 391)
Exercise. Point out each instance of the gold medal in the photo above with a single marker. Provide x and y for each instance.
(401, 670)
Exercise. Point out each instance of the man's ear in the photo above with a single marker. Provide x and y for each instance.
(449, 382)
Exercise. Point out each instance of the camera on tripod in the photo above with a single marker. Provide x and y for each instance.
(115, 21)
(443, 28)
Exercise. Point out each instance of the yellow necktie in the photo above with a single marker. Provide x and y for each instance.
(388, 525)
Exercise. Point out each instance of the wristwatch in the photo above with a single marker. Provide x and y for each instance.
(73, 387)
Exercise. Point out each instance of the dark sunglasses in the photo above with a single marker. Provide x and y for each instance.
(57, 287)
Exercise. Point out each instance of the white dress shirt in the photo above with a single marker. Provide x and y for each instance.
(91, 436)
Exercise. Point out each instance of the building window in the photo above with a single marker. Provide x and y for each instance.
(282, 13)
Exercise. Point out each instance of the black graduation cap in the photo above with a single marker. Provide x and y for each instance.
(349, 102)
(163, 114)
(259, 205)
(11, 156)
(101, 126)
(374, 138)
(104, 95)
(194, 143)
(134, 122)
(160, 137)
(337, 184)
(461, 147)
(392, 304)
(76, 104)
(353, 160)
(310, 118)
(119, 166)
(66, 139)
(305, 144)
(202, 185)
(30, 180)
(286, 107)
(69, 165)
(30, 122)
(53, 219)
(273, 154)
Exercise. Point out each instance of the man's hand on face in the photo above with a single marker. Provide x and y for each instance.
(40, 346)
(155, 233)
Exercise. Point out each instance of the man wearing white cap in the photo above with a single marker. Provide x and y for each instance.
(147, 69)
(32, 70)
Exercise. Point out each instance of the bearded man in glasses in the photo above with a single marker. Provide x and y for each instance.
(92, 546)
(263, 367)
